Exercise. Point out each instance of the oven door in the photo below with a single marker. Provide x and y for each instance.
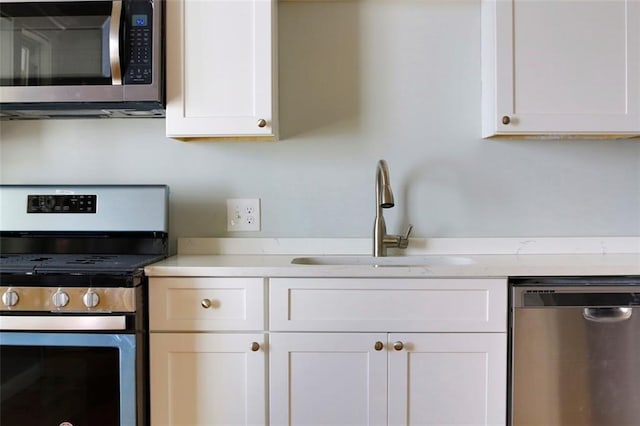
(70, 379)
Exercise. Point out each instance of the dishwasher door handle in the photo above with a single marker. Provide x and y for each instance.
(615, 314)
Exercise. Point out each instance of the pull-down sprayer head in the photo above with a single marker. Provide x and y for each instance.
(384, 195)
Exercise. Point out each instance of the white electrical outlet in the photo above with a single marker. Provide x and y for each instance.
(243, 214)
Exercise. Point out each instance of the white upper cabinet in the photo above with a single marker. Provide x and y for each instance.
(221, 69)
(561, 67)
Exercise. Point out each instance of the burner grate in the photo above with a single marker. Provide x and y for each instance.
(74, 263)
(92, 260)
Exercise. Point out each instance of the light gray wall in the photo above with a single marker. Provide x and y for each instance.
(359, 81)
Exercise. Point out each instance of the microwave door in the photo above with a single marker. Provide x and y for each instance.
(61, 51)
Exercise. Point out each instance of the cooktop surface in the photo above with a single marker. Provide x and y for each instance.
(43, 263)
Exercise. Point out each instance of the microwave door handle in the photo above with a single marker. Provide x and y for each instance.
(114, 43)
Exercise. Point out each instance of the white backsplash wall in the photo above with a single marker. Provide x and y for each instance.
(359, 81)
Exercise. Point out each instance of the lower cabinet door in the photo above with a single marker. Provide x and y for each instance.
(208, 379)
(447, 379)
(328, 379)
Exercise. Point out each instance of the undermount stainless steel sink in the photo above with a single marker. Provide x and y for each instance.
(383, 261)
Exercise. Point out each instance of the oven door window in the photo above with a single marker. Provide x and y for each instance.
(55, 43)
(53, 378)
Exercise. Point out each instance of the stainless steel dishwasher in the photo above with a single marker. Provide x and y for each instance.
(575, 351)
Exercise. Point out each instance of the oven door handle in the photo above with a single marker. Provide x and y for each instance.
(615, 314)
(114, 43)
(62, 322)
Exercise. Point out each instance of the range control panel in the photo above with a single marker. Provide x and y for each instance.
(62, 203)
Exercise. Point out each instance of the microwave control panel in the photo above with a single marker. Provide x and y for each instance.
(139, 42)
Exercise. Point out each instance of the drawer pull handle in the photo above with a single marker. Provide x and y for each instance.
(262, 123)
(255, 346)
(378, 346)
(398, 346)
(205, 303)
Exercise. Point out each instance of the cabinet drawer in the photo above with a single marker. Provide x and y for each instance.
(365, 304)
(206, 304)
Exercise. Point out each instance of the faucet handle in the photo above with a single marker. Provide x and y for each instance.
(403, 242)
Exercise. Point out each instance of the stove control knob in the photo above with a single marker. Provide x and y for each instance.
(10, 298)
(91, 299)
(60, 299)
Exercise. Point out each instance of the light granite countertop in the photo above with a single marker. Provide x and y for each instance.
(474, 257)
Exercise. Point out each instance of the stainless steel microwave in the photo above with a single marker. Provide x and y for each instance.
(90, 58)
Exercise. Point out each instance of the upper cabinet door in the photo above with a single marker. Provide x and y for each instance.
(221, 69)
(565, 67)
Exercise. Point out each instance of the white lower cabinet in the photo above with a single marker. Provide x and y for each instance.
(414, 379)
(328, 367)
(208, 379)
(208, 351)
(447, 379)
(337, 351)
(327, 379)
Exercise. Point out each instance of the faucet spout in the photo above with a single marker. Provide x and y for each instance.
(384, 200)
(384, 195)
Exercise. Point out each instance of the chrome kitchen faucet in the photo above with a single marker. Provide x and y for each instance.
(384, 200)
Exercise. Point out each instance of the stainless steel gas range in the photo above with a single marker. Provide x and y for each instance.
(73, 308)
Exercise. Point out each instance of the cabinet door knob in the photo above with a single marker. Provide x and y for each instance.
(262, 123)
(378, 346)
(255, 346)
(506, 119)
(398, 346)
(205, 303)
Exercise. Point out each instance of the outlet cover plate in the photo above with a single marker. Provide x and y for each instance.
(243, 214)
